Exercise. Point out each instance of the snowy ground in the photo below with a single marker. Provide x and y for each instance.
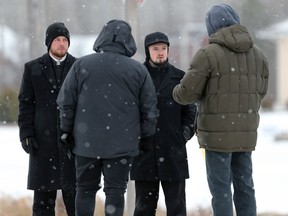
(270, 172)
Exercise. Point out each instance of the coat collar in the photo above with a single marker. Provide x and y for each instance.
(48, 69)
(166, 80)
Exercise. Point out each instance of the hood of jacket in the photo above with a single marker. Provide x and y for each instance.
(235, 37)
(116, 36)
(220, 16)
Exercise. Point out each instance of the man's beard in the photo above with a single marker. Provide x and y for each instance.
(58, 54)
(159, 63)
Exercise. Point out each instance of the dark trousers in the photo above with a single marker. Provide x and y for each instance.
(223, 169)
(44, 202)
(88, 173)
(147, 194)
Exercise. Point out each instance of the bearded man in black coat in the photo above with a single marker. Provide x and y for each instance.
(50, 169)
(165, 162)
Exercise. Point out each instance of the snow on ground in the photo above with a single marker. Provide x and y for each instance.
(270, 172)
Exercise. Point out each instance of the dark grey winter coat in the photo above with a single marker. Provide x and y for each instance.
(167, 160)
(108, 99)
(49, 168)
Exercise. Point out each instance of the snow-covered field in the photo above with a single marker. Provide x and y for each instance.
(270, 172)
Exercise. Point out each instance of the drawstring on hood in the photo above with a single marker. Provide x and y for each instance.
(220, 16)
(116, 36)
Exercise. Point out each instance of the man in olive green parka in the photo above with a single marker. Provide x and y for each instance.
(228, 78)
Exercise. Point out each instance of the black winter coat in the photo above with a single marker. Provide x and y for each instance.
(108, 99)
(168, 159)
(49, 168)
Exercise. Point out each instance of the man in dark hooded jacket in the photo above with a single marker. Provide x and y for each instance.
(107, 103)
(229, 78)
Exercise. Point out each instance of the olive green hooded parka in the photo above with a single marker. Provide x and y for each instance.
(228, 78)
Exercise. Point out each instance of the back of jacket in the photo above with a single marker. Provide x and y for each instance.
(108, 100)
(229, 77)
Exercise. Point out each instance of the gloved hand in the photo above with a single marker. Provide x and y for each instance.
(146, 144)
(187, 133)
(67, 143)
(29, 144)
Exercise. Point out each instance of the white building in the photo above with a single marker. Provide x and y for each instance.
(279, 34)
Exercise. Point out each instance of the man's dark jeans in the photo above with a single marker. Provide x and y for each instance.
(88, 173)
(223, 169)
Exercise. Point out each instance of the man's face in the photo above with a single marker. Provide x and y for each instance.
(59, 47)
(158, 53)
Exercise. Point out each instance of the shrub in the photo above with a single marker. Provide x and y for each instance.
(8, 105)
